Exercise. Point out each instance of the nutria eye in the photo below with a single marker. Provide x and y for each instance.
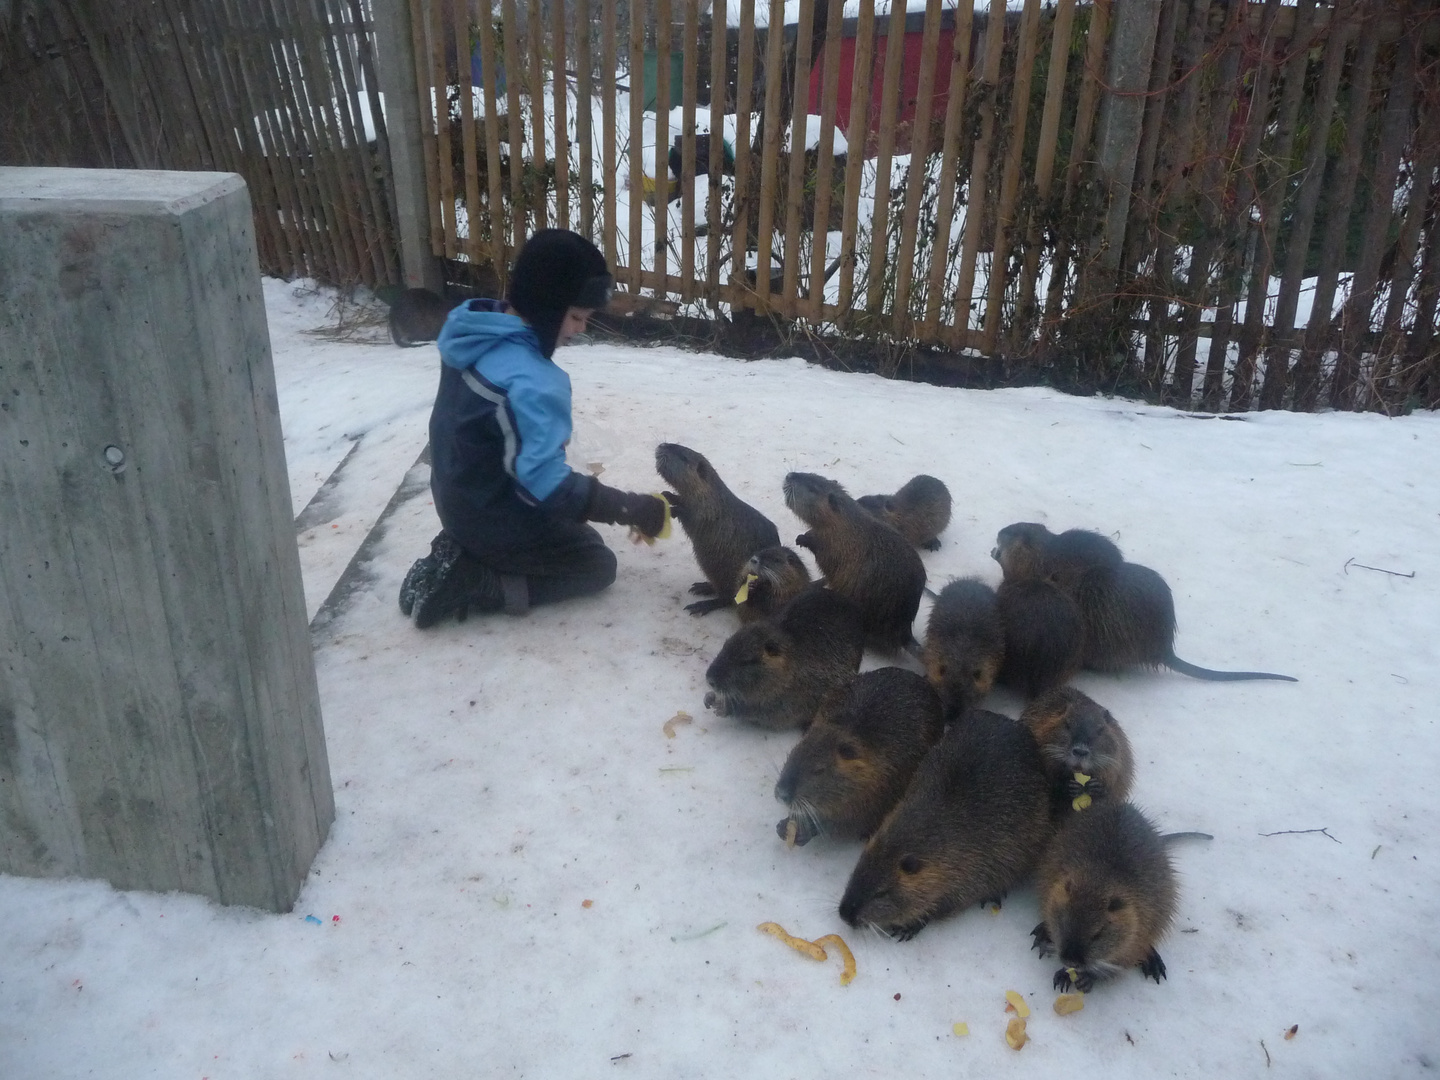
(977, 675)
(940, 671)
(910, 864)
(772, 648)
(848, 751)
(1116, 903)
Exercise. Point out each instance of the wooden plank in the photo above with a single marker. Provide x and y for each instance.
(719, 47)
(744, 102)
(889, 112)
(770, 153)
(609, 151)
(535, 81)
(825, 164)
(950, 149)
(561, 92)
(795, 179)
(461, 14)
(861, 85)
(584, 117)
(1044, 168)
(690, 47)
(1010, 177)
(510, 30)
(1146, 204)
(1422, 380)
(635, 256)
(380, 172)
(444, 168)
(662, 136)
(980, 165)
(918, 171)
(496, 206)
(1407, 245)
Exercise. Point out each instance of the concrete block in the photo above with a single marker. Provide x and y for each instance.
(159, 717)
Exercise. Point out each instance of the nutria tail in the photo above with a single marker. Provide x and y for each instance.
(1174, 663)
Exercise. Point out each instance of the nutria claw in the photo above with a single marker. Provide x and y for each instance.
(932, 545)
(1084, 982)
(1094, 787)
(703, 588)
(908, 930)
(677, 507)
(1152, 967)
(1042, 940)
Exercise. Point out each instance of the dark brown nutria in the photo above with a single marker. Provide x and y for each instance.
(776, 672)
(920, 510)
(1079, 737)
(971, 825)
(724, 531)
(964, 644)
(1107, 895)
(861, 557)
(417, 316)
(771, 579)
(1044, 636)
(1127, 610)
(858, 756)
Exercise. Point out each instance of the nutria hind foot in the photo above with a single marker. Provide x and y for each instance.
(704, 607)
(933, 545)
(1042, 940)
(1152, 967)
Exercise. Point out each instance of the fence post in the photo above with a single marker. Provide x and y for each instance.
(159, 715)
(395, 67)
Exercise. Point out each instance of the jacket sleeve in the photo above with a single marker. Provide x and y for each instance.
(539, 400)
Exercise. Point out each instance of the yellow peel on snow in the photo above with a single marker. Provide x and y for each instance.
(1066, 1004)
(1015, 1033)
(1017, 1003)
(800, 945)
(681, 717)
(960, 1028)
(848, 975)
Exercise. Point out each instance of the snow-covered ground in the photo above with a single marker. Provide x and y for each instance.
(526, 877)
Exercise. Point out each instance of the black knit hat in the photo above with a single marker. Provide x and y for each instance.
(555, 271)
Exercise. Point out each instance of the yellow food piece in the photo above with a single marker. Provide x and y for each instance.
(1291, 1032)
(848, 975)
(961, 1028)
(791, 828)
(809, 948)
(1017, 1003)
(664, 534)
(744, 593)
(1066, 1004)
(1015, 1033)
(1081, 802)
(681, 717)
(1082, 779)
(1073, 973)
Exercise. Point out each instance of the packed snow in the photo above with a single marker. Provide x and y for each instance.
(526, 877)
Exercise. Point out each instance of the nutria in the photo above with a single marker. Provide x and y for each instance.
(776, 672)
(861, 557)
(1044, 636)
(771, 579)
(1078, 737)
(1107, 895)
(724, 531)
(417, 316)
(858, 756)
(973, 822)
(1128, 610)
(920, 510)
(964, 644)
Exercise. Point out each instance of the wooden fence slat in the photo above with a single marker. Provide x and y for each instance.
(1422, 358)
(585, 117)
(1302, 218)
(561, 91)
(690, 45)
(795, 180)
(460, 12)
(635, 256)
(770, 153)
(535, 81)
(889, 120)
(744, 101)
(608, 149)
(380, 173)
(1425, 158)
(1308, 374)
(1241, 386)
(1010, 178)
(719, 50)
(1146, 204)
(825, 163)
(496, 205)
(661, 202)
(979, 169)
(919, 169)
(856, 137)
(510, 30)
(949, 167)
(445, 163)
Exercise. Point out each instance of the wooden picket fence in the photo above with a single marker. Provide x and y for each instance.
(1037, 206)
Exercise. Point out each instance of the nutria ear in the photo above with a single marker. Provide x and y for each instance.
(911, 864)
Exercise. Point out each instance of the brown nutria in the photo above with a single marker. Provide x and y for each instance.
(964, 644)
(920, 510)
(724, 531)
(1107, 895)
(776, 672)
(417, 316)
(1127, 610)
(973, 823)
(858, 756)
(1044, 636)
(861, 557)
(1079, 737)
(771, 579)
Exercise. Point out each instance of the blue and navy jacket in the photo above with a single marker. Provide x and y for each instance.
(498, 433)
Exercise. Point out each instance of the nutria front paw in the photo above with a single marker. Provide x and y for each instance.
(677, 508)
(718, 703)
(704, 607)
(1094, 787)
(803, 832)
(703, 588)
(1042, 940)
(933, 545)
(908, 930)
(803, 540)
(1152, 967)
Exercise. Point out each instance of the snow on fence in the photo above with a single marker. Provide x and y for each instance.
(1152, 194)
